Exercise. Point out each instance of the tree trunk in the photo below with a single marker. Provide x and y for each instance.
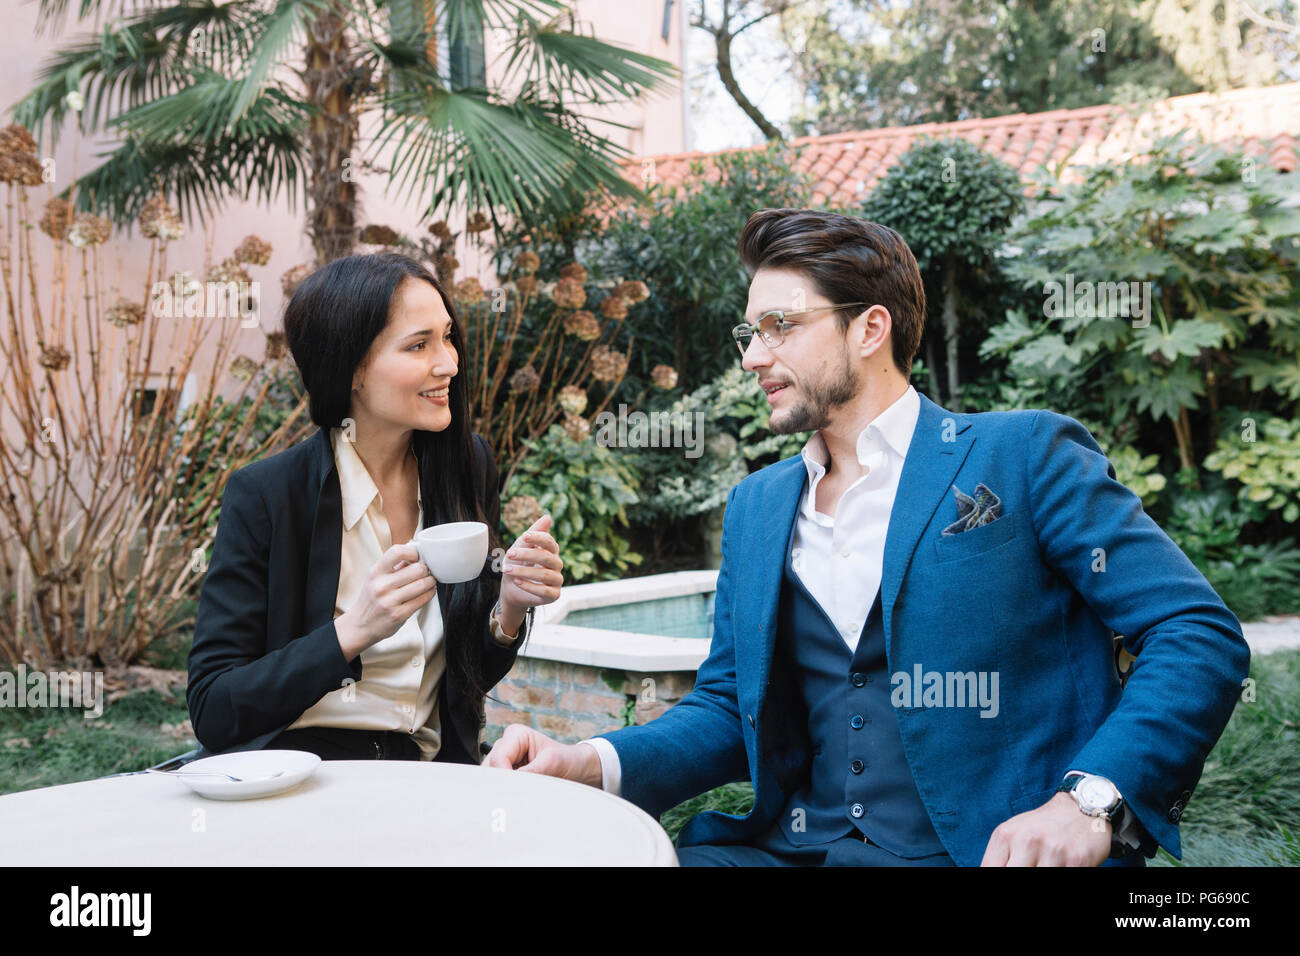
(933, 369)
(1183, 432)
(332, 133)
(722, 43)
(950, 333)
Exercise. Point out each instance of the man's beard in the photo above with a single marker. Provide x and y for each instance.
(819, 400)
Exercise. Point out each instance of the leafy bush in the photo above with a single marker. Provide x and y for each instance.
(586, 488)
(1138, 472)
(1265, 458)
(734, 410)
(1196, 252)
(953, 203)
(682, 243)
(1253, 579)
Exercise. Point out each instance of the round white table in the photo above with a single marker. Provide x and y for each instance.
(368, 812)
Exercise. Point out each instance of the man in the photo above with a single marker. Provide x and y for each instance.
(913, 658)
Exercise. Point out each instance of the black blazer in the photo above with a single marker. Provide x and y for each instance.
(265, 648)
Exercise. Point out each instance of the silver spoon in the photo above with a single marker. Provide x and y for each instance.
(209, 773)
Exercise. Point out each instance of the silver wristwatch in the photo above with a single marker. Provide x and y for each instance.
(1095, 795)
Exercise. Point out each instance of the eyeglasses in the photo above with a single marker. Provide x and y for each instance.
(772, 326)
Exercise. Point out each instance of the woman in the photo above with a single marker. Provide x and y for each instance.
(317, 629)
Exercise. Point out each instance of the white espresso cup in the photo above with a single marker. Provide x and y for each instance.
(453, 552)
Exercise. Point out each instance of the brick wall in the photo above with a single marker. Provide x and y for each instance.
(572, 701)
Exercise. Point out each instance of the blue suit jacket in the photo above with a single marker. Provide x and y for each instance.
(1025, 596)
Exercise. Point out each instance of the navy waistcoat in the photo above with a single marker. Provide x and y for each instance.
(859, 778)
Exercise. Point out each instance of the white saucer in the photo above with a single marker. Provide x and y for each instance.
(256, 767)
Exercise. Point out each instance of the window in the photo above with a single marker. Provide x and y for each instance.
(460, 64)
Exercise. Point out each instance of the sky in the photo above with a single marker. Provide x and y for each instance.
(764, 74)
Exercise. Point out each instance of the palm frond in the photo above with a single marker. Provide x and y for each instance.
(279, 32)
(199, 175)
(562, 60)
(463, 148)
(199, 111)
(53, 13)
(463, 17)
(141, 59)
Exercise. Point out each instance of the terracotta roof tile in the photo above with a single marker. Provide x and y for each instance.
(1262, 121)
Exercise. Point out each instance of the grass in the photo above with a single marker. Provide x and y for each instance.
(45, 747)
(1246, 809)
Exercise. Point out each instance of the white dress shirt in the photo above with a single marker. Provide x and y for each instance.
(400, 675)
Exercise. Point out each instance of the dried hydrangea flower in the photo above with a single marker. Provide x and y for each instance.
(574, 270)
(519, 513)
(59, 214)
(276, 346)
(613, 307)
(22, 170)
(293, 277)
(228, 270)
(525, 380)
(88, 230)
(470, 291)
(527, 285)
(377, 235)
(243, 368)
(527, 262)
(448, 264)
(17, 139)
(632, 291)
(573, 399)
(18, 160)
(478, 222)
(55, 358)
(123, 313)
(584, 325)
(160, 221)
(254, 251)
(664, 376)
(607, 365)
(568, 293)
(440, 230)
(576, 428)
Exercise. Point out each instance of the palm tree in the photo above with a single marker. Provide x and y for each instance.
(254, 98)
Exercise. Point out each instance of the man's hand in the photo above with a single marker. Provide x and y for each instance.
(1056, 834)
(522, 748)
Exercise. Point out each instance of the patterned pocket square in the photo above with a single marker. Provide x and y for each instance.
(983, 509)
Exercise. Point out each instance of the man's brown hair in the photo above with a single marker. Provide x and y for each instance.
(847, 260)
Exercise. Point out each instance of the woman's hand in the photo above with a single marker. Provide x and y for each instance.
(531, 572)
(398, 585)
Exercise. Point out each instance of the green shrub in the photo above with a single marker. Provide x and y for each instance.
(1166, 288)
(682, 243)
(1254, 580)
(952, 202)
(736, 413)
(586, 488)
(1265, 458)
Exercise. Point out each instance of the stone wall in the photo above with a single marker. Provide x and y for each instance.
(573, 701)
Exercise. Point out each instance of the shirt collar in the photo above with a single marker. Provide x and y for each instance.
(356, 487)
(891, 429)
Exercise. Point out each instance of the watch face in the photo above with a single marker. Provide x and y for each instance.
(1096, 793)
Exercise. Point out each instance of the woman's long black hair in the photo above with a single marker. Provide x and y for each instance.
(330, 324)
